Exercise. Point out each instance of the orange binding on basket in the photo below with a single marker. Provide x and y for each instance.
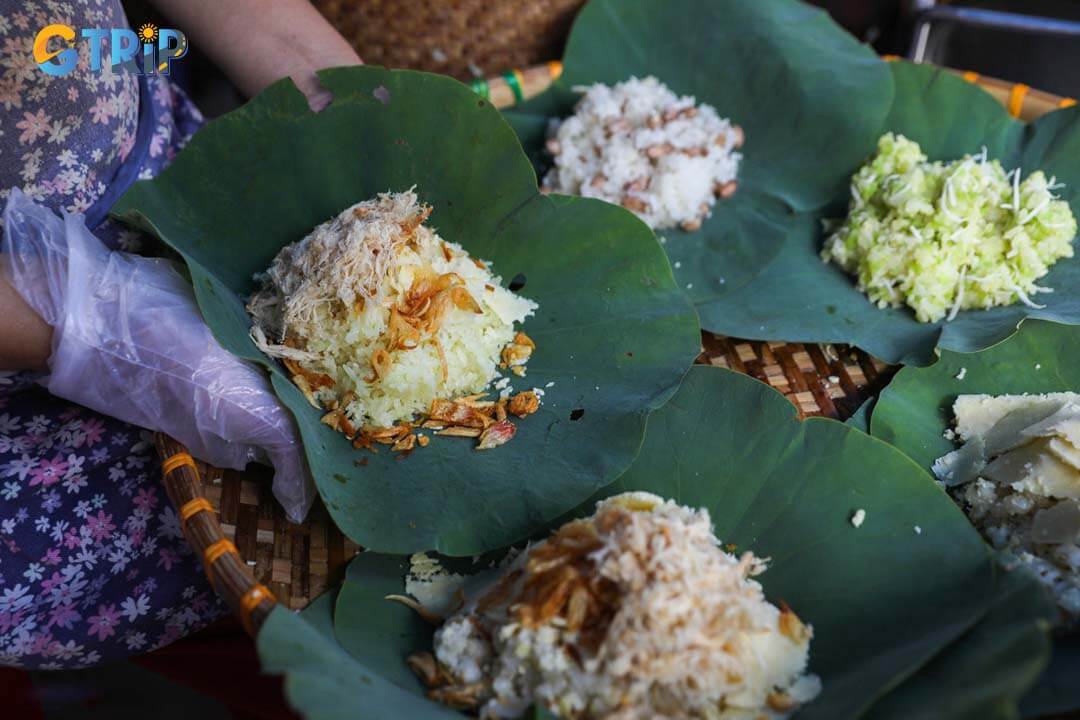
(178, 460)
(1016, 98)
(251, 600)
(213, 552)
(193, 507)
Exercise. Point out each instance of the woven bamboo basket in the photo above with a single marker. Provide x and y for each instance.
(463, 38)
(255, 558)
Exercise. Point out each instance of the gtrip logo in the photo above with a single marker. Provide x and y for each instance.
(149, 51)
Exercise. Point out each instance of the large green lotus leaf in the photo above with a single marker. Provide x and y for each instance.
(983, 674)
(809, 97)
(796, 297)
(614, 333)
(914, 410)
(322, 681)
(378, 645)
(883, 599)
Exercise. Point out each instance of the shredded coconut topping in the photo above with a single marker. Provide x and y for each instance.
(342, 260)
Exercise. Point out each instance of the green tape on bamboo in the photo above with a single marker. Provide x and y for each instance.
(480, 87)
(513, 79)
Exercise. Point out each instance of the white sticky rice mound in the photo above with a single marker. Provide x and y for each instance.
(603, 152)
(366, 255)
(692, 635)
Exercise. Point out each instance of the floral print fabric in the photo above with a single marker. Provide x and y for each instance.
(64, 138)
(93, 565)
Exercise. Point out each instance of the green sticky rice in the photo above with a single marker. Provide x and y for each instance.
(941, 237)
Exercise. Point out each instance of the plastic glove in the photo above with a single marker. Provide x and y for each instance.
(129, 341)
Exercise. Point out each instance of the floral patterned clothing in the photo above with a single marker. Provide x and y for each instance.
(93, 565)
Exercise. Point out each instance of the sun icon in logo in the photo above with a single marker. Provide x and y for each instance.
(148, 33)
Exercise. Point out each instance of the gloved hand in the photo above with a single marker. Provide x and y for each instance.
(129, 341)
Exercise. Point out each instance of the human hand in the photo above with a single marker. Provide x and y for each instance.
(129, 341)
(254, 47)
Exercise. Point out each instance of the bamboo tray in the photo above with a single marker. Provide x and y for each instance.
(255, 558)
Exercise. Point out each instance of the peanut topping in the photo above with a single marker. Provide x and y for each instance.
(524, 403)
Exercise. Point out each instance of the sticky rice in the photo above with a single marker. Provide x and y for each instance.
(941, 237)
(635, 612)
(639, 145)
(377, 317)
